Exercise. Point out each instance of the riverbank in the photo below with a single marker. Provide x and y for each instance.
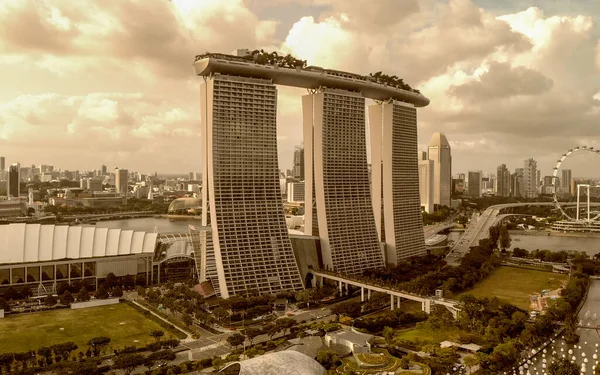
(551, 233)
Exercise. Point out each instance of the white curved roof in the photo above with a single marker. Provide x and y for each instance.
(286, 362)
(21, 243)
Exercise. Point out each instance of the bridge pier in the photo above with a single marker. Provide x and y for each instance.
(362, 294)
(340, 287)
(322, 281)
(399, 299)
(426, 306)
(392, 302)
(368, 294)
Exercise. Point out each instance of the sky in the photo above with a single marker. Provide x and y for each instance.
(91, 82)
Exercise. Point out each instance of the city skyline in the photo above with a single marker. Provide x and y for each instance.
(79, 87)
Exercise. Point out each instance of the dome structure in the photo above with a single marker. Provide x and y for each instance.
(184, 204)
(285, 362)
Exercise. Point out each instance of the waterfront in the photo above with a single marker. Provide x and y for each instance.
(586, 350)
(591, 245)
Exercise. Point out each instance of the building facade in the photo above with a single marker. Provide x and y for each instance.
(530, 184)
(475, 184)
(565, 181)
(121, 180)
(298, 171)
(502, 181)
(426, 185)
(241, 196)
(395, 180)
(440, 153)
(295, 192)
(2, 163)
(336, 172)
(13, 184)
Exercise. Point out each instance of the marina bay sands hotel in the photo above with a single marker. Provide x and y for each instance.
(356, 222)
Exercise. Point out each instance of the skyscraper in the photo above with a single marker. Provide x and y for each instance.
(2, 163)
(241, 196)
(474, 184)
(395, 179)
(336, 165)
(439, 152)
(530, 179)
(565, 181)
(13, 185)
(502, 181)
(298, 171)
(121, 180)
(103, 170)
(426, 184)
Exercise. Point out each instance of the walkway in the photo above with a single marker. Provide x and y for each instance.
(188, 334)
(395, 295)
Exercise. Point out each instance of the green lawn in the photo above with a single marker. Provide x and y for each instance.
(122, 323)
(427, 335)
(516, 285)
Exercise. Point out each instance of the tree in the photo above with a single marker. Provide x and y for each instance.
(101, 293)
(62, 287)
(128, 362)
(504, 238)
(4, 305)
(11, 294)
(50, 300)
(46, 353)
(236, 339)
(157, 335)
(110, 281)
(66, 298)
(117, 292)
(349, 308)
(563, 367)
(251, 333)
(98, 344)
(328, 358)
(6, 361)
(284, 324)
(187, 319)
(470, 361)
(162, 357)
(26, 292)
(221, 313)
(494, 235)
(83, 295)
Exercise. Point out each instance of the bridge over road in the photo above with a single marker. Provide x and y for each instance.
(396, 295)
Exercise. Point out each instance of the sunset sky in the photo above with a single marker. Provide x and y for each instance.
(85, 83)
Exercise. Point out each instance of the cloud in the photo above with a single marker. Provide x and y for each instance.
(501, 80)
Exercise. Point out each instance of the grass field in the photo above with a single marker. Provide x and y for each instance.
(427, 335)
(121, 323)
(516, 285)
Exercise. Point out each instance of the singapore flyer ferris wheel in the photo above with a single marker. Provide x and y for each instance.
(579, 187)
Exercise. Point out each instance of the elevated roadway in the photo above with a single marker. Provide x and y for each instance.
(480, 225)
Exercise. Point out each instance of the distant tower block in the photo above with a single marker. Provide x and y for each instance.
(241, 196)
(335, 146)
(394, 164)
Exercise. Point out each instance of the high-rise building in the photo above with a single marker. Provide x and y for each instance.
(121, 180)
(439, 151)
(530, 179)
(249, 246)
(103, 170)
(191, 176)
(516, 183)
(298, 170)
(475, 184)
(565, 181)
(2, 163)
(503, 181)
(13, 186)
(426, 184)
(335, 165)
(295, 192)
(395, 179)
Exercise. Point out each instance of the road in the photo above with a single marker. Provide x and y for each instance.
(479, 227)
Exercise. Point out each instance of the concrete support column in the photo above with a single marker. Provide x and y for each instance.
(399, 299)
(392, 301)
(362, 294)
(368, 294)
(10, 276)
(341, 287)
(426, 306)
(322, 281)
